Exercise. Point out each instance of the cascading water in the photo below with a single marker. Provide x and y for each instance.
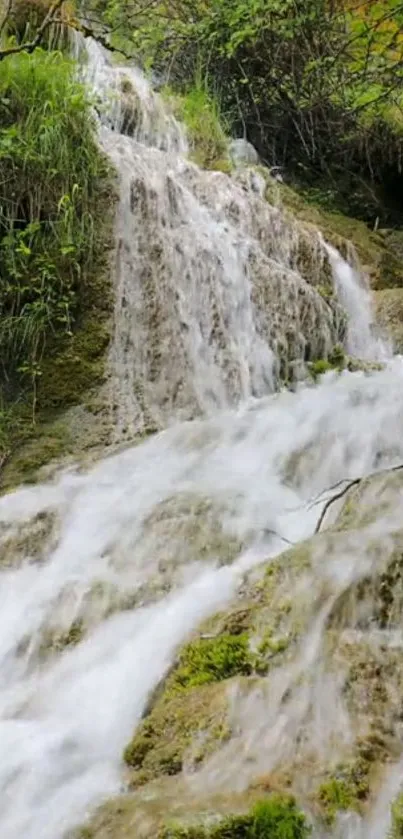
(211, 294)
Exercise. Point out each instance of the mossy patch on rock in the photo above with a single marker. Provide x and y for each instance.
(30, 540)
(276, 817)
(345, 789)
(211, 660)
(179, 729)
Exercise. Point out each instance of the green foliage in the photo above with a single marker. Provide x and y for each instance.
(211, 660)
(396, 829)
(316, 86)
(335, 361)
(344, 790)
(276, 817)
(52, 209)
(191, 722)
(200, 112)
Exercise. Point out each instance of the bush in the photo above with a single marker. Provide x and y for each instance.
(51, 179)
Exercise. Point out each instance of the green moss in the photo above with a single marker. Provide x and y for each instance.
(212, 660)
(344, 790)
(336, 360)
(276, 817)
(190, 724)
(319, 367)
(396, 829)
(271, 646)
(326, 291)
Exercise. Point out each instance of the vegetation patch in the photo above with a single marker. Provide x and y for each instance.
(200, 112)
(346, 789)
(212, 660)
(396, 829)
(179, 728)
(56, 211)
(276, 817)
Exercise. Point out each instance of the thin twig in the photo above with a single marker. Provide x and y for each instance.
(268, 532)
(347, 488)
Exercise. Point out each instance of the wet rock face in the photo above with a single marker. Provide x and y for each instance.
(389, 314)
(322, 619)
(219, 294)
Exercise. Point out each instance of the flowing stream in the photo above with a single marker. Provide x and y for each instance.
(211, 296)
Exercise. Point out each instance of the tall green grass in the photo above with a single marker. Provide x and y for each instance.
(51, 175)
(200, 111)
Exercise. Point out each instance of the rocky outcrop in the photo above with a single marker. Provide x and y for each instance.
(322, 619)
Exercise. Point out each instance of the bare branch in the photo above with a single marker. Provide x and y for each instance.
(346, 489)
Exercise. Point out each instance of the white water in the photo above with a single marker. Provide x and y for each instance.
(354, 294)
(118, 536)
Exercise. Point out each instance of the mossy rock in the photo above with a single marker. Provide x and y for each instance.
(73, 368)
(380, 254)
(182, 729)
(202, 711)
(241, 816)
(276, 817)
(389, 314)
(30, 540)
(345, 789)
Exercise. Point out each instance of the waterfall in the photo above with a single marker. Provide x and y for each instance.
(218, 293)
(213, 295)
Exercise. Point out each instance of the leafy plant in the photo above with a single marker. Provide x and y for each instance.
(51, 176)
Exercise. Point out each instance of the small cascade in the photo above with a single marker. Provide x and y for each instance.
(354, 295)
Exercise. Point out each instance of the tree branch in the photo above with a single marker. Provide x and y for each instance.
(346, 489)
(30, 46)
(6, 14)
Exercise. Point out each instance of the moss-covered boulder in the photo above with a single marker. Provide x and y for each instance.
(180, 732)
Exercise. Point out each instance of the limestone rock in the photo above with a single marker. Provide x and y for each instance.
(242, 152)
